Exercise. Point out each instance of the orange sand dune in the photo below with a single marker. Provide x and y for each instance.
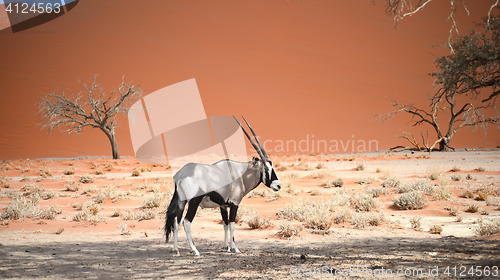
(296, 69)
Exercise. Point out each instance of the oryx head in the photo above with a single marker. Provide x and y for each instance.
(268, 175)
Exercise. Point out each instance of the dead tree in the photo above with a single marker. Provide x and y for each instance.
(399, 9)
(462, 77)
(92, 108)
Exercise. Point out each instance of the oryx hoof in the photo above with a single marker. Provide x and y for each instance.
(196, 253)
(236, 250)
(175, 252)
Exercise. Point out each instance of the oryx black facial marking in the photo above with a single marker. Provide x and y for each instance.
(222, 184)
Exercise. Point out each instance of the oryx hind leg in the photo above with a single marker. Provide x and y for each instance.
(191, 212)
(232, 224)
(225, 222)
(177, 223)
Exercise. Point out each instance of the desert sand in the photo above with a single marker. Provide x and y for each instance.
(294, 69)
(115, 244)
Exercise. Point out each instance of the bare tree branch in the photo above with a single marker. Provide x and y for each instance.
(96, 109)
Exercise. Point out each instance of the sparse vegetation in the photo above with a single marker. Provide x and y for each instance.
(257, 222)
(410, 201)
(455, 169)
(481, 196)
(288, 230)
(415, 222)
(338, 182)
(420, 186)
(467, 194)
(436, 229)
(391, 182)
(363, 181)
(136, 173)
(360, 167)
(472, 208)
(366, 203)
(86, 179)
(456, 178)
(480, 169)
(487, 228)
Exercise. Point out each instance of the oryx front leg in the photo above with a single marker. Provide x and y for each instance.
(187, 229)
(232, 225)
(191, 212)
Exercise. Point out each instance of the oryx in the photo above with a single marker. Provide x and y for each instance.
(222, 184)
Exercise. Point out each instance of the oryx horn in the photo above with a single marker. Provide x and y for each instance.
(257, 138)
(250, 139)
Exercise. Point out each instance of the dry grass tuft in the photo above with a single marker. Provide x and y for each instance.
(366, 203)
(288, 230)
(360, 167)
(456, 178)
(487, 228)
(344, 216)
(480, 169)
(455, 169)
(392, 182)
(69, 171)
(420, 186)
(124, 230)
(152, 201)
(363, 181)
(136, 173)
(257, 222)
(338, 182)
(86, 179)
(467, 194)
(481, 196)
(410, 201)
(472, 208)
(415, 223)
(436, 229)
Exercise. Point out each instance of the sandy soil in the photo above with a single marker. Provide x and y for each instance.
(32, 247)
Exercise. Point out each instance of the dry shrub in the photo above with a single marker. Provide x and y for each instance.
(436, 229)
(487, 228)
(433, 176)
(366, 203)
(59, 230)
(72, 186)
(136, 173)
(455, 169)
(481, 196)
(100, 197)
(484, 212)
(315, 192)
(454, 211)
(257, 222)
(375, 192)
(86, 179)
(274, 196)
(88, 190)
(410, 201)
(392, 182)
(320, 165)
(362, 220)
(467, 194)
(444, 193)
(146, 214)
(456, 178)
(364, 181)
(420, 186)
(152, 201)
(288, 230)
(415, 222)
(360, 167)
(259, 192)
(338, 182)
(20, 207)
(480, 169)
(99, 171)
(469, 177)
(473, 208)
(124, 230)
(293, 175)
(344, 216)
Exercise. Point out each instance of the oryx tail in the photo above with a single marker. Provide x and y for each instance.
(171, 214)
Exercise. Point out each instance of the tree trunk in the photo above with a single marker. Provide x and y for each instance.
(444, 144)
(114, 144)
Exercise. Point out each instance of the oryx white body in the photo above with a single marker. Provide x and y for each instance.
(222, 184)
